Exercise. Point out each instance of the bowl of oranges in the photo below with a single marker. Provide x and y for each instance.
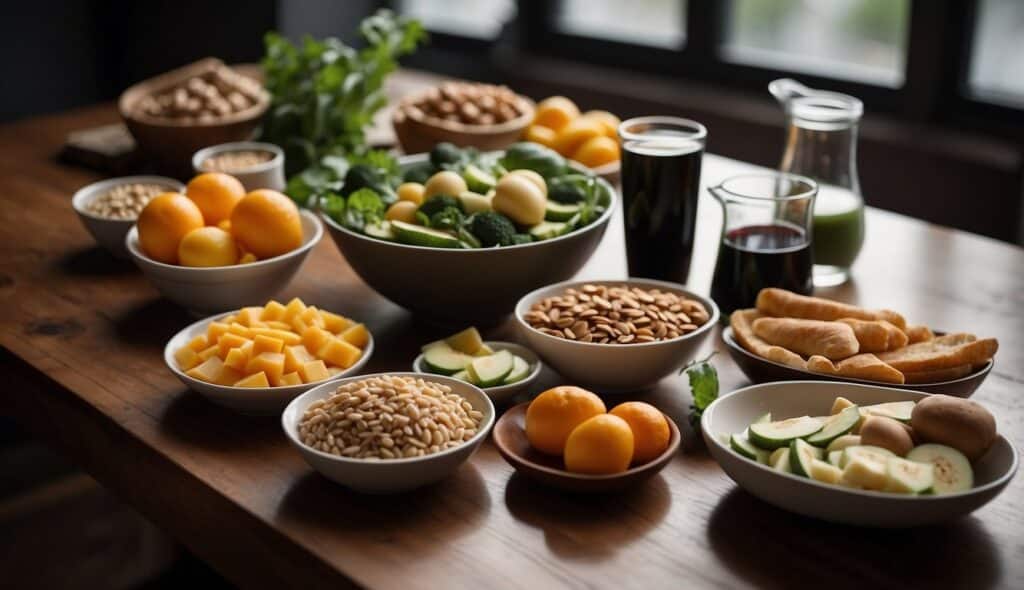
(566, 438)
(216, 245)
(590, 138)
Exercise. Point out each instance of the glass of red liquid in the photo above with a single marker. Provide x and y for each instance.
(766, 237)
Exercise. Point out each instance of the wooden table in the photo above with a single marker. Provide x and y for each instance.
(83, 334)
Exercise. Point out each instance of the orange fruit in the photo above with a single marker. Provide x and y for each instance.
(267, 223)
(207, 246)
(216, 194)
(553, 415)
(164, 221)
(601, 445)
(650, 429)
(555, 112)
(573, 135)
(597, 151)
(540, 134)
(608, 121)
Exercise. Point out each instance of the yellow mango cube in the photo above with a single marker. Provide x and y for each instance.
(278, 325)
(356, 335)
(338, 352)
(240, 330)
(272, 311)
(333, 322)
(199, 343)
(313, 338)
(229, 341)
(186, 358)
(254, 380)
(237, 359)
(291, 379)
(270, 363)
(314, 371)
(228, 319)
(228, 376)
(208, 370)
(250, 316)
(215, 330)
(298, 325)
(296, 356)
(262, 343)
(289, 338)
(210, 351)
(312, 317)
(295, 308)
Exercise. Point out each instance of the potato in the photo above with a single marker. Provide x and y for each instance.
(402, 211)
(952, 421)
(887, 433)
(518, 198)
(444, 183)
(533, 177)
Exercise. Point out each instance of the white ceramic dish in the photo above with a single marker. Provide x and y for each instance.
(501, 393)
(269, 174)
(732, 413)
(390, 475)
(221, 288)
(612, 368)
(110, 233)
(254, 401)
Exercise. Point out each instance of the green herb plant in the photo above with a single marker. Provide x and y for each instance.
(703, 385)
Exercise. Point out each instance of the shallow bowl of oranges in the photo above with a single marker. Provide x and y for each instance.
(216, 246)
(590, 137)
(255, 360)
(566, 438)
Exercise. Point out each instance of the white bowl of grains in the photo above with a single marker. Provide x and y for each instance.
(388, 432)
(618, 335)
(255, 164)
(109, 208)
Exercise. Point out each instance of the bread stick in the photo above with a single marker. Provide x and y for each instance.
(740, 321)
(862, 366)
(832, 340)
(782, 303)
(876, 335)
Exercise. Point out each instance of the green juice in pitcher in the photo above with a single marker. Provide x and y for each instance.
(838, 227)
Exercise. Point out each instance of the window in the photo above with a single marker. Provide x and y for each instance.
(862, 40)
(997, 58)
(659, 23)
(479, 19)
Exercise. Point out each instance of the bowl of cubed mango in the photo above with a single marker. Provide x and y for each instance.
(255, 360)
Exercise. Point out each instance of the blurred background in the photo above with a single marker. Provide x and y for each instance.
(942, 140)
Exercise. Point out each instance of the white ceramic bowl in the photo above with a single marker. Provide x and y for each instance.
(732, 413)
(254, 401)
(613, 368)
(110, 233)
(220, 288)
(269, 174)
(389, 475)
(500, 393)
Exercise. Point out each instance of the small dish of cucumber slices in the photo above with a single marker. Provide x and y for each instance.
(849, 453)
(501, 369)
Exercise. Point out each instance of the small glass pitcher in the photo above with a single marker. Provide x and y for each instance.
(766, 237)
(821, 143)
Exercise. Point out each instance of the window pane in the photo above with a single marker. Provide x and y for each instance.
(661, 23)
(852, 39)
(997, 59)
(481, 19)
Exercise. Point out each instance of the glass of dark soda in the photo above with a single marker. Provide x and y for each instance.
(661, 159)
(766, 237)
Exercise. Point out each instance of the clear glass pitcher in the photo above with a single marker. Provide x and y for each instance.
(821, 143)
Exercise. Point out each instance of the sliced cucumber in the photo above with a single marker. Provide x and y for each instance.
(477, 180)
(546, 230)
(840, 443)
(867, 452)
(840, 404)
(462, 375)
(418, 235)
(763, 418)
(488, 371)
(467, 341)
(835, 426)
(825, 472)
(835, 457)
(896, 410)
(556, 211)
(445, 360)
(772, 435)
(475, 203)
(380, 230)
(952, 470)
(780, 460)
(801, 453)
(740, 444)
(865, 473)
(484, 350)
(520, 369)
(909, 477)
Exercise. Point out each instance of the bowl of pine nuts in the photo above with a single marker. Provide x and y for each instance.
(617, 335)
(388, 432)
(109, 208)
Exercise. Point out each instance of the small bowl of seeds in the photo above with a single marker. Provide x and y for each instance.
(388, 432)
(616, 336)
(256, 164)
(109, 208)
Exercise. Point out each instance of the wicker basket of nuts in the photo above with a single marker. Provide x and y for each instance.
(484, 116)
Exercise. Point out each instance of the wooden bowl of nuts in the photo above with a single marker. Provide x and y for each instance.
(201, 104)
(616, 336)
(108, 209)
(466, 114)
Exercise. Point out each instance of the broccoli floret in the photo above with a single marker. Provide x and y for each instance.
(437, 203)
(493, 229)
(447, 218)
(521, 239)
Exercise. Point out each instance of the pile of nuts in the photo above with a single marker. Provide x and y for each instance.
(469, 103)
(124, 201)
(205, 98)
(616, 315)
(235, 161)
(389, 417)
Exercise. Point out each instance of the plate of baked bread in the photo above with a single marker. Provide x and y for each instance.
(796, 337)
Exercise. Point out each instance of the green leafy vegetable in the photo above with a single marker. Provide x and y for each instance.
(533, 156)
(361, 208)
(448, 218)
(703, 385)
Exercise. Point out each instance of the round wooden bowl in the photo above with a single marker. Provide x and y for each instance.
(510, 438)
(422, 133)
